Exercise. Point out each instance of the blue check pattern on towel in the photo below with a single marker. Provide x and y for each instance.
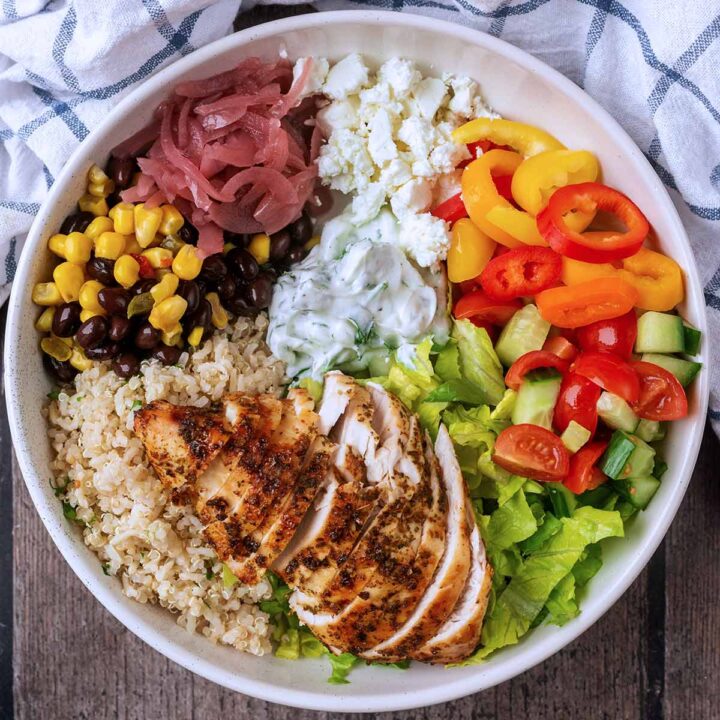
(653, 65)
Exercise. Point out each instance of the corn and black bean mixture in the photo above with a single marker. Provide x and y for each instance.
(130, 283)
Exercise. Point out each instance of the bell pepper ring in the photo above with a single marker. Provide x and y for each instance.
(657, 278)
(451, 210)
(595, 247)
(521, 272)
(585, 303)
(526, 139)
(482, 198)
(470, 251)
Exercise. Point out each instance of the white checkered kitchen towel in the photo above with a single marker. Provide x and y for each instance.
(653, 64)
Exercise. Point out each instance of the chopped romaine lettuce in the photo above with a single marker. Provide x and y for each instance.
(341, 666)
(478, 361)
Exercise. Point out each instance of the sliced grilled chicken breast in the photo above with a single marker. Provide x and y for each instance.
(460, 634)
(451, 575)
(180, 441)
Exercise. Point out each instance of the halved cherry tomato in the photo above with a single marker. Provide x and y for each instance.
(522, 271)
(610, 373)
(583, 474)
(532, 361)
(561, 347)
(662, 397)
(615, 335)
(576, 401)
(592, 247)
(451, 210)
(533, 452)
(585, 303)
(478, 306)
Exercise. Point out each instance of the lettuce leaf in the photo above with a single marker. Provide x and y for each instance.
(341, 665)
(511, 523)
(478, 361)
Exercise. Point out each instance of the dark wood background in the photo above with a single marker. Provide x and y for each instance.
(654, 656)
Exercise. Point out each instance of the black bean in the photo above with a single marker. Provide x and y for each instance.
(188, 233)
(114, 300)
(66, 319)
(146, 336)
(301, 230)
(239, 240)
(214, 269)
(92, 332)
(239, 306)
(101, 269)
(279, 245)
(126, 365)
(189, 290)
(166, 354)
(227, 287)
(259, 292)
(62, 371)
(119, 328)
(77, 222)
(296, 255)
(143, 286)
(243, 263)
(106, 351)
(200, 318)
(203, 287)
(121, 170)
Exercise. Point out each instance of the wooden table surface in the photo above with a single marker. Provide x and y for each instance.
(654, 656)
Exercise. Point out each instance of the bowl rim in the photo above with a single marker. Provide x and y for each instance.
(111, 596)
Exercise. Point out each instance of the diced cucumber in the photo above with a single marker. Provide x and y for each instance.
(525, 332)
(660, 468)
(638, 491)
(692, 339)
(660, 333)
(617, 453)
(616, 413)
(650, 430)
(575, 436)
(563, 499)
(641, 461)
(536, 398)
(684, 370)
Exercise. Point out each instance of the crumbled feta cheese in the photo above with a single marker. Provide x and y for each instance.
(464, 91)
(429, 95)
(424, 237)
(400, 74)
(366, 204)
(381, 145)
(318, 73)
(397, 172)
(346, 77)
(340, 114)
(446, 186)
(419, 135)
(411, 198)
(446, 157)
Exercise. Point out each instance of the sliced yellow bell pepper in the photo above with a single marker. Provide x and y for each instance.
(657, 278)
(491, 212)
(470, 251)
(526, 139)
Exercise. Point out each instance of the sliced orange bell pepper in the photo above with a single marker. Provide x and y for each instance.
(526, 139)
(539, 176)
(657, 278)
(491, 212)
(470, 251)
(587, 302)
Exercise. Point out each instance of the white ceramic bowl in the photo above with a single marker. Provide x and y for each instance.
(517, 86)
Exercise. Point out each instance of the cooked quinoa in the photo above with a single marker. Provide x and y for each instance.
(154, 548)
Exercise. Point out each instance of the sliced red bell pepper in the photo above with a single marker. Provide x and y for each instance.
(451, 210)
(521, 272)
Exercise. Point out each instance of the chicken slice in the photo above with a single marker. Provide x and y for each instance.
(457, 639)
(180, 441)
(450, 576)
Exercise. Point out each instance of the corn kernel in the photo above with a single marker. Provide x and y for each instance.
(227, 247)
(167, 286)
(96, 175)
(166, 315)
(172, 220)
(312, 242)
(79, 360)
(98, 226)
(88, 297)
(110, 245)
(123, 217)
(78, 247)
(69, 279)
(132, 247)
(126, 270)
(147, 223)
(195, 337)
(46, 293)
(87, 314)
(55, 348)
(173, 336)
(259, 248)
(96, 206)
(219, 316)
(187, 263)
(101, 189)
(44, 322)
(56, 244)
(159, 257)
